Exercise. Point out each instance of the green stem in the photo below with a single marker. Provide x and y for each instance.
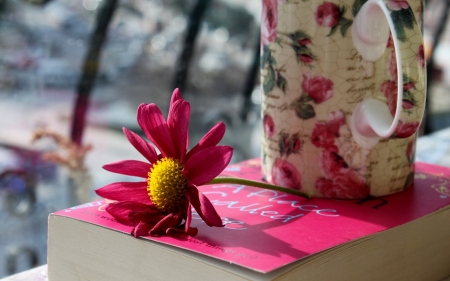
(258, 184)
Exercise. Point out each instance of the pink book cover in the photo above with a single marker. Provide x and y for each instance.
(265, 230)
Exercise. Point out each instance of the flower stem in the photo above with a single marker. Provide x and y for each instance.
(259, 185)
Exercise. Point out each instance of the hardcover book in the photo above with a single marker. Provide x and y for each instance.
(268, 235)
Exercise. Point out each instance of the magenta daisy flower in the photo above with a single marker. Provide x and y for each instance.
(161, 203)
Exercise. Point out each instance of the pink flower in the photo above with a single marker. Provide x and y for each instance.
(306, 58)
(331, 163)
(349, 185)
(335, 120)
(392, 66)
(408, 86)
(407, 104)
(322, 136)
(296, 144)
(269, 21)
(327, 14)
(162, 201)
(285, 174)
(389, 89)
(318, 88)
(289, 144)
(269, 125)
(304, 42)
(406, 129)
(396, 5)
(421, 56)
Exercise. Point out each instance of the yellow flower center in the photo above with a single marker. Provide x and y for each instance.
(166, 184)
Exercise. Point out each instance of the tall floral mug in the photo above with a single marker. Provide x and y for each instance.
(343, 87)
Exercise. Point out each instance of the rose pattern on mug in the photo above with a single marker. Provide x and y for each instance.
(289, 144)
(298, 41)
(390, 91)
(312, 77)
(285, 174)
(342, 161)
(269, 125)
(331, 15)
(269, 21)
(317, 90)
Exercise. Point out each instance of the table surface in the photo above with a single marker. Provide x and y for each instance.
(434, 149)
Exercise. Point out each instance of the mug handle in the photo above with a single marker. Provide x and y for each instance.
(372, 119)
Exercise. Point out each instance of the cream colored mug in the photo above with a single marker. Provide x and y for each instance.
(343, 94)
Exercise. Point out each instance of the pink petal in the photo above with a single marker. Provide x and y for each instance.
(175, 96)
(125, 191)
(147, 150)
(188, 218)
(155, 127)
(206, 164)
(171, 220)
(129, 167)
(178, 123)
(203, 207)
(142, 229)
(145, 216)
(212, 138)
(192, 231)
(121, 211)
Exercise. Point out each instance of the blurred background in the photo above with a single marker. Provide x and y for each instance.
(72, 73)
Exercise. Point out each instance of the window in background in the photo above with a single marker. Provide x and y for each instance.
(43, 46)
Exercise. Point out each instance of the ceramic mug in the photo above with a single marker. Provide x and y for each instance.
(343, 94)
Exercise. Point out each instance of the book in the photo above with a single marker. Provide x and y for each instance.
(268, 235)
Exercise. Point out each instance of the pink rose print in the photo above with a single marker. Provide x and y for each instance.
(349, 185)
(407, 104)
(269, 21)
(335, 120)
(285, 174)
(297, 144)
(396, 5)
(421, 56)
(331, 163)
(306, 58)
(392, 66)
(408, 86)
(322, 136)
(406, 129)
(318, 88)
(340, 180)
(289, 144)
(327, 14)
(389, 89)
(269, 125)
(325, 133)
(304, 42)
